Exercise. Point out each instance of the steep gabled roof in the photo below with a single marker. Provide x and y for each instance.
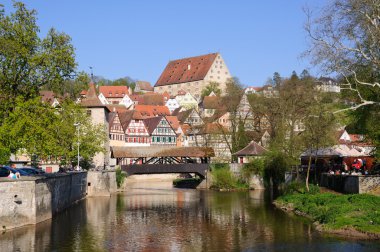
(125, 118)
(91, 100)
(186, 70)
(252, 149)
(183, 115)
(114, 91)
(151, 123)
(144, 85)
(173, 121)
(212, 102)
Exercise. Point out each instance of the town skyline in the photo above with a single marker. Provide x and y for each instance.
(137, 40)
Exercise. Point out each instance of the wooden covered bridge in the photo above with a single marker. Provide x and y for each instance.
(159, 160)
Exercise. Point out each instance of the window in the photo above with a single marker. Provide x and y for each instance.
(158, 139)
(88, 112)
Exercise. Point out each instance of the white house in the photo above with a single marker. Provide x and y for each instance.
(172, 104)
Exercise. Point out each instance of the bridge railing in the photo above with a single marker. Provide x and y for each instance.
(199, 169)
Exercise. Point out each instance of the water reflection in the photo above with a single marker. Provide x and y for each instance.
(155, 217)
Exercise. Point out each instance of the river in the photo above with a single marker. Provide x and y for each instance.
(152, 216)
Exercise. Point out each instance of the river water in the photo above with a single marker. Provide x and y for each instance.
(152, 216)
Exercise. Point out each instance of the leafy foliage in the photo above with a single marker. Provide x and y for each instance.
(39, 129)
(254, 167)
(120, 177)
(28, 62)
(211, 87)
(276, 163)
(224, 179)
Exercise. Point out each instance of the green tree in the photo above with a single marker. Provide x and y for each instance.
(211, 87)
(28, 62)
(319, 133)
(41, 130)
(277, 79)
(242, 139)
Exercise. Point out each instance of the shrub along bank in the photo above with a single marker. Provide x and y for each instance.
(347, 215)
(224, 179)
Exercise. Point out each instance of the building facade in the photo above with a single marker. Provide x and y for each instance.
(193, 75)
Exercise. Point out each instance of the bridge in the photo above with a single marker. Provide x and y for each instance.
(163, 159)
(198, 169)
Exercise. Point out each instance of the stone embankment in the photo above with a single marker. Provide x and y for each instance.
(31, 200)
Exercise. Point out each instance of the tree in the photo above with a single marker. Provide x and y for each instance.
(277, 79)
(211, 87)
(344, 39)
(28, 62)
(319, 133)
(305, 75)
(285, 113)
(71, 87)
(231, 101)
(41, 130)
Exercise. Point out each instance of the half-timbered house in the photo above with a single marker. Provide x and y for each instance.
(160, 130)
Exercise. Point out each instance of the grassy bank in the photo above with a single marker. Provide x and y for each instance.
(348, 215)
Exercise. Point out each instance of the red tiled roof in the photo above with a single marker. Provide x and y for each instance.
(144, 85)
(47, 96)
(151, 123)
(252, 149)
(114, 91)
(177, 71)
(150, 111)
(166, 95)
(212, 102)
(173, 121)
(92, 99)
(148, 99)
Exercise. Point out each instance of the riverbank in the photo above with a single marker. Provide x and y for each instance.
(355, 216)
(34, 199)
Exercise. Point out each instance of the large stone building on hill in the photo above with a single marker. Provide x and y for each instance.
(193, 74)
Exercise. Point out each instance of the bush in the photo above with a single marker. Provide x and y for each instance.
(224, 179)
(276, 164)
(255, 167)
(120, 177)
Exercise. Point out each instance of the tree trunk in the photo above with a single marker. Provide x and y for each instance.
(308, 174)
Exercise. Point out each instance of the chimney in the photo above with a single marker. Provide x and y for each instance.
(188, 67)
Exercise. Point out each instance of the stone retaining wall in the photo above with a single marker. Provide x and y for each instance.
(352, 183)
(101, 183)
(31, 200)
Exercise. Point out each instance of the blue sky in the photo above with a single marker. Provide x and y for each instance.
(138, 38)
